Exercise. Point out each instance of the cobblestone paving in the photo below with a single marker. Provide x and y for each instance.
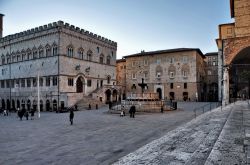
(189, 144)
(95, 138)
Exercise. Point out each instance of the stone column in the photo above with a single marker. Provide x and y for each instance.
(225, 87)
(220, 78)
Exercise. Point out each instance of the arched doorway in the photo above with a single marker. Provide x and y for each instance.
(47, 105)
(239, 75)
(171, 96)
(80, 85)
(108, 96)
(13, 105)
(3, 104)
(114, 95)
(8, 104)
(41, 105)
(23, 104)
(18, 104)
(54, 105)
(28, 105)
(159, 91)
(185, 96)
(34, 105)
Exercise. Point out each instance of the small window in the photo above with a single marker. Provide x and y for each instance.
(80, 54)
(98, 49)
(171, 60)
(185, 85)
(171, 75)
(41, 53)
(145, 74)
(108, 60)
(89, 56)
(171, 85)
(54, 51)
(158, 61)
(35, 54)
(70, 82)
(22, 82)
(70, 52)
(28, 83)
(34, 80)
(108, 79)
(48, 51)
(2, 84)
(7, 83)
(54, 80)
(184, 73)
(89, 83)
(133, 75)
(40, 81)
(47, 81)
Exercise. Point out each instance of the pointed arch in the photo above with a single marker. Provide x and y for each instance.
(47, 50)
(40, 51)
(108, 60)
(101, 59)
(54, 49)
(80, 53)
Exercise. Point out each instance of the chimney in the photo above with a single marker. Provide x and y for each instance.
(1, 25)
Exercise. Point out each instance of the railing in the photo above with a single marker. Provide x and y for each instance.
(205, 108)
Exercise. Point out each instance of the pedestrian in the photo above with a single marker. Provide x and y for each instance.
(5, 112)
(71, 116)
(75, 107)
(96, 106)
(162, 109)
(89, 107)
(32, 114)
(26, 115)
(132, 111)
(110, 105)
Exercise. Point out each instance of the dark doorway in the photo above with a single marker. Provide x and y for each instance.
(114, 95)
(47, 105)
(18, 104)
(185, 96)
(34, 105)
(8, 104)
(79, 85)
(108, 96)
(28, 105)
(54, 105)
(159, 91)
(3, 104)
(171, 96)
(13, 105)
(41, 105)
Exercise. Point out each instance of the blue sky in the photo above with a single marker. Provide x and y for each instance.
(134, 24)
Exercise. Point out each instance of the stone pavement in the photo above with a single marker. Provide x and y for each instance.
(217, 137)
(95, 138)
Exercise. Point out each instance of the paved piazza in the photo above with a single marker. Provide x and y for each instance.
(96, 137)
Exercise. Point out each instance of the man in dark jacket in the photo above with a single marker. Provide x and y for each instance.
(132, 111)
(71, 116)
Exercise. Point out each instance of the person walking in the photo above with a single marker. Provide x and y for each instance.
(32, 114)
(27, 115)
(71, 116)
(132, 111)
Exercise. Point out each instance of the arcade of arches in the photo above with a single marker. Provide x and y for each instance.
(236, 75)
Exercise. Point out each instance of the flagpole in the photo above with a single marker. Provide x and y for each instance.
(38, 95)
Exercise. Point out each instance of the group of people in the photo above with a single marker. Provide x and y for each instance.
(25, 113)
(132, 111)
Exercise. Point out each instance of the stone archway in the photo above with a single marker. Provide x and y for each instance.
(108, 96)
(239, 75)
(159, 91)
(236, 57)
(80, 85)
(114, 95)
(8, 104)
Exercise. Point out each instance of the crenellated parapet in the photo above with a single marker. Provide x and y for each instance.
(56, 25)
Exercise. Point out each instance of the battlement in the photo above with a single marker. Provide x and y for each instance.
(55, 25)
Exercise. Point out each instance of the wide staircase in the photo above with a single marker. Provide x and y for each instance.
(88, 100)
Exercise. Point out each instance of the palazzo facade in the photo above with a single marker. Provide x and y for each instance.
(176, 74)
(66, 63)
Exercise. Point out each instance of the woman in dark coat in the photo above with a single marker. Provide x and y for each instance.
(71, 116)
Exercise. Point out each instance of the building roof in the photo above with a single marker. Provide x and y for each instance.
(120, 60)
(165, 51)
(211, 54)
(55, 25)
